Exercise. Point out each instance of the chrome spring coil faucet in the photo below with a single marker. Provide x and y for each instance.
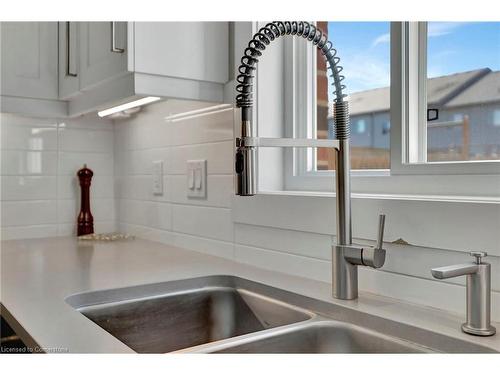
(345, 256)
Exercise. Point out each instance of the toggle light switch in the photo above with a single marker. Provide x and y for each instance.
(197, 178)
(158, 177)
(191, 179)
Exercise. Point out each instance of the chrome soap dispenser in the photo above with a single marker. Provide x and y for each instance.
(478, 293)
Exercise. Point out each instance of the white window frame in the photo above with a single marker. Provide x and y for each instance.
(409, 172)
(408, 80)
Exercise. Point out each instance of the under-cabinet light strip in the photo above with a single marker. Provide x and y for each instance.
(123, 107)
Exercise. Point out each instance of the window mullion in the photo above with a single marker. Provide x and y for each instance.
(422, 92)
(399, 101)
(415, 94)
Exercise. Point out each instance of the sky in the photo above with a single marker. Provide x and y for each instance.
(364, 50)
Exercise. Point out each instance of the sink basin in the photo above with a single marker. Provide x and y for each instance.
(182, 319)
(228, 314)
(326, 337)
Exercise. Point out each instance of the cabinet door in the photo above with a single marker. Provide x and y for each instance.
(69, 52)
(192, 50)
(29, 59)
(103, 52)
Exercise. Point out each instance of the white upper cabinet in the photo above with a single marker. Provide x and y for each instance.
(191, 50)
(103, 52)
(90, 53)
(119, 62)
(86, 66)
(29, 59)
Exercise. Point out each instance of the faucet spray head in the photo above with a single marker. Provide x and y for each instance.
(245, 167)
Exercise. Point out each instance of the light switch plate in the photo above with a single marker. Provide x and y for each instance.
(158, 177)
(196, 179)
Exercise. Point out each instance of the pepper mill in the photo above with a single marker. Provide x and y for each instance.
(85, 218)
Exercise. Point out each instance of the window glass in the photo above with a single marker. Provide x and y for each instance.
(364, 49)
(496, 117)
(360, 126)
(463, 71)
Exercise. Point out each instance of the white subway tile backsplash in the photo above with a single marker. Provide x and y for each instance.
(411, 221)
(208, 222)
(16, 137)
(133, 187)
(310, 268)
(101, 187)
(219, 157)
(190, 242)
(203, 224)
(17, 121)
(18, 188)
(297, 213)
(40, 190)
(26, 162)
(139, 187)
(151, 214)
(143, 132)
(312, 245)
(32, 212)
(85, 140)
(407, 219)
(140, 162)
(202, 129)
(149, 129)
(204, 245)
(71, 162)
(102, 210)
(200, 224)
(219, 192)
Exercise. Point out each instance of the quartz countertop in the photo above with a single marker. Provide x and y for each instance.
(38, 274)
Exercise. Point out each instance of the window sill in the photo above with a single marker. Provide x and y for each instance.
(455, 188)
(401, 197)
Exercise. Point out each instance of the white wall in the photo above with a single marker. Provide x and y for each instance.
(39, 187)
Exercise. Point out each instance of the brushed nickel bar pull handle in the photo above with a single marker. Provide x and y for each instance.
(114, 48)
(68, 51)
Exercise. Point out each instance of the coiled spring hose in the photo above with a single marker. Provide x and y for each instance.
(270, 32)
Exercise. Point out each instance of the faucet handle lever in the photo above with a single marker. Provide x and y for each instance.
(380, 235)
(375, 256)
(479, 255)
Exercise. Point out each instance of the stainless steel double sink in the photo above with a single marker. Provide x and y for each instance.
(227, 314)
